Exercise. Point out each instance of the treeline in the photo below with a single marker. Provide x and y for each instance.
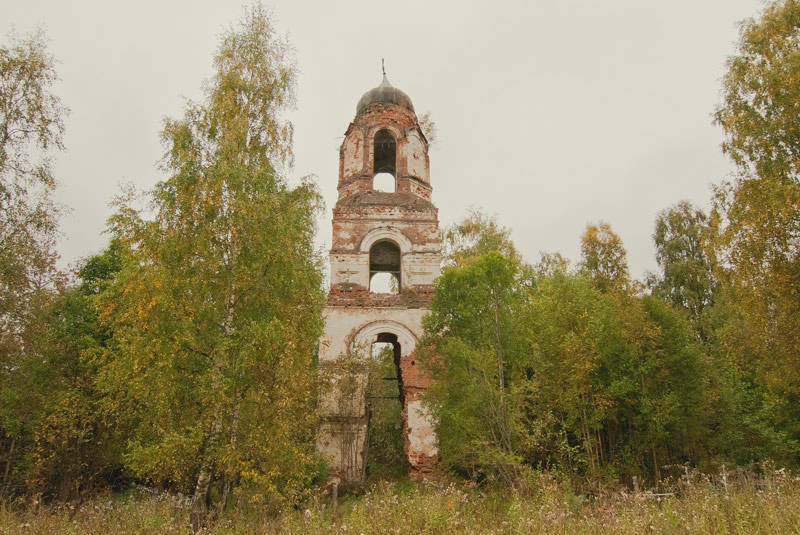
(182, 356)
(582, 369)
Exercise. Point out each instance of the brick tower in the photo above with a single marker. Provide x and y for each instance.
(391, 234)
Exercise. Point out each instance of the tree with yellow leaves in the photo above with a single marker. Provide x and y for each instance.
(757, 215)
(217, 308)
(31, 128)
(604, 258)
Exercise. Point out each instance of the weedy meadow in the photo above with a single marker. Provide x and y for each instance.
(768, 504)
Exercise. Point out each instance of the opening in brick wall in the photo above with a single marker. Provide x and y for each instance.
(385, 457)
(384, 153)
(384, 182)
(384, 268)
(384, 283)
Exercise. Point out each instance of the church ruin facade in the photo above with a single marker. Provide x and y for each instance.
(385, 231)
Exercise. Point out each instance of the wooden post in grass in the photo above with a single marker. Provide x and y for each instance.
(725, 478)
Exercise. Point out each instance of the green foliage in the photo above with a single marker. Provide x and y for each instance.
(31, 117)
(546, 367)
(761, 91)
(475, 343)
(756, 325)
(570, 325)
(616, 381)
(31, 126)
(78, 437)
(604, 258)
(385, 456)
(67, 441)
(756, 219)
(475, 235)
(216, 311)
(682, 243)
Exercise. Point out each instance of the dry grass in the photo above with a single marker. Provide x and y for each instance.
(449, 508)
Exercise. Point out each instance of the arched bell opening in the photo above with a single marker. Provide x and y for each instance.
(384, 164)
(385, 455)
(385, 268)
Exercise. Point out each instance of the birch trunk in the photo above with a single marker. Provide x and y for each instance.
(200, 500)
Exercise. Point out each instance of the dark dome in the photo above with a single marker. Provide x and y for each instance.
(385, 92)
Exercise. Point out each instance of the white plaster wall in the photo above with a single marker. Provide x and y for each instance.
(353, 150)
(415, 157)
(421, 433)
(350, 268)
(342, 324)
(420, 269)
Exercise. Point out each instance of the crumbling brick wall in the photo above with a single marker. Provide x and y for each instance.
(355, 316)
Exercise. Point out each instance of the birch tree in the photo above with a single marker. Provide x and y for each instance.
(31, 129)
(216, 311)
(604, 258)
(757, 215)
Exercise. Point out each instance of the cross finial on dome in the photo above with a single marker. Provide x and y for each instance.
(385, 81)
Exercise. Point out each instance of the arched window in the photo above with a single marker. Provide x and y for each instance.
(384, 165)
(384, 268)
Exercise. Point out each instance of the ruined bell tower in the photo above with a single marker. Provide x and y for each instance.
(385, 255)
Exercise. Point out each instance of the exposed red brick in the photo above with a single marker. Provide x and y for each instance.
(409, 218)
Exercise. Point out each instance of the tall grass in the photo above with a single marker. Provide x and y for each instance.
(448, 507)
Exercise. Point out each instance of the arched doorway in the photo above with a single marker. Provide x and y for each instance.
(420, 448)
(385, 456)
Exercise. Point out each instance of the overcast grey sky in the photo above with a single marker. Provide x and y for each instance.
(551, 114)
